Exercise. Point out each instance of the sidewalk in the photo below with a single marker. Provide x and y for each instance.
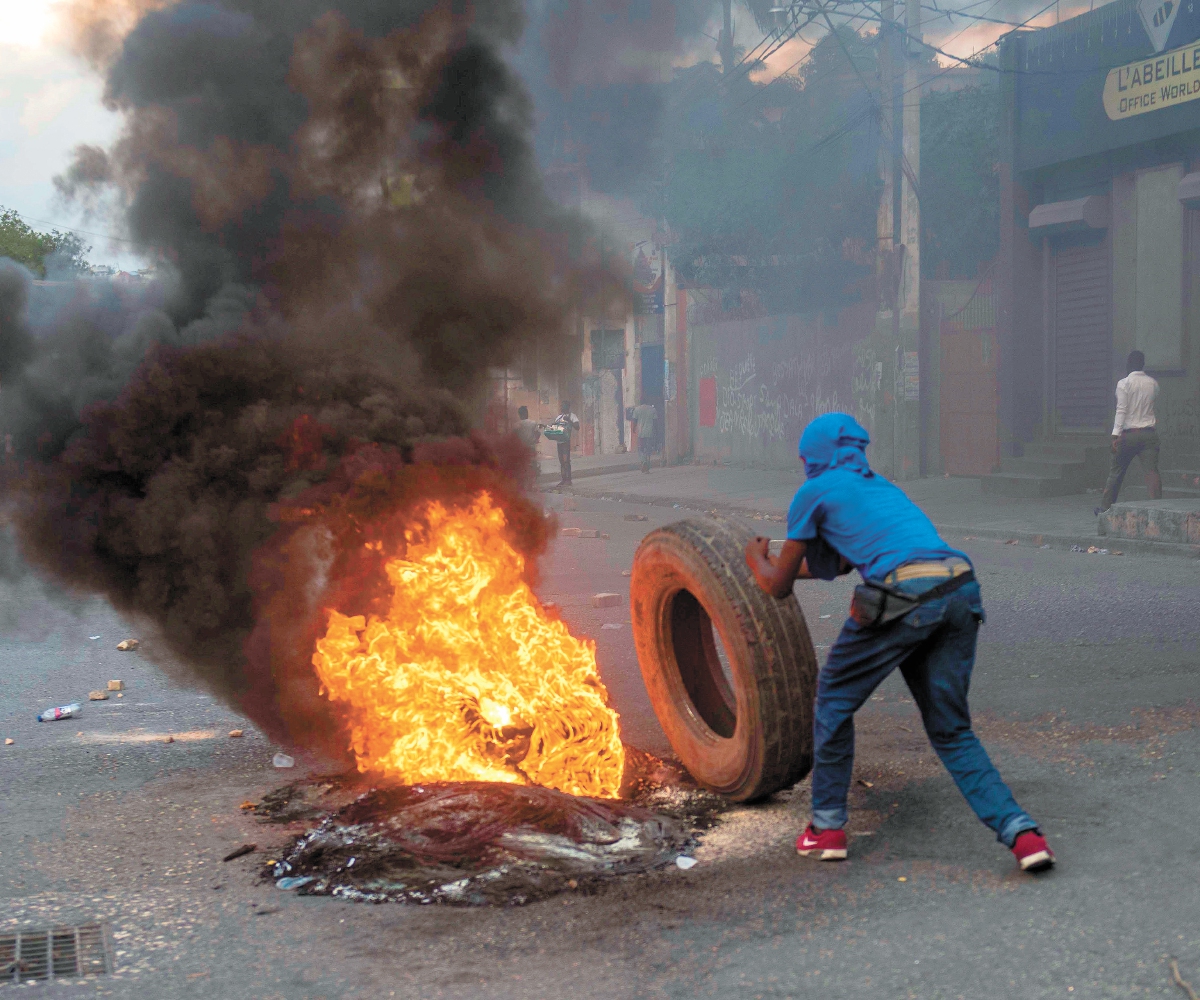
(583, 466)
(957, 506)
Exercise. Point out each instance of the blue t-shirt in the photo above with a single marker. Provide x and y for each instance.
(864, 518)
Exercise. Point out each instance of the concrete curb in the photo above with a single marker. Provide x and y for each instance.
(952, 532)
(1126, 546)
(603, 470)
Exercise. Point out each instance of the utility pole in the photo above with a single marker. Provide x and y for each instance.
(725, 43)
(910, 203)
(907, 385)
(890, 253)
(885, 227)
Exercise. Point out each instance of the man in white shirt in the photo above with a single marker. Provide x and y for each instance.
(1133, 431)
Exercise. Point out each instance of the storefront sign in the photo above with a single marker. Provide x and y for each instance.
(1162, 82)
(1090, 84)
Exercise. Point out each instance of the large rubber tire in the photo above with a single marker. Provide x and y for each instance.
(744, 730)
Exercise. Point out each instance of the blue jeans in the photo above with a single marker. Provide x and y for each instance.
(934, 647)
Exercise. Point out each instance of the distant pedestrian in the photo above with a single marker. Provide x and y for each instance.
(570, 423)
(527, 430)
(1134, 432)
(645, 418)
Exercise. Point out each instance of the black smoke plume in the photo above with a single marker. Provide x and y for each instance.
(345, 203)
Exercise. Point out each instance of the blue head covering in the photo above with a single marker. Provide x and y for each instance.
(834, 441)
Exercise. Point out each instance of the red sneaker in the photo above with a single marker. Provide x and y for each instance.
(822, 845)
(1032, 852)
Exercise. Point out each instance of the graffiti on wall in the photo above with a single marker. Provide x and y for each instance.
(868, 379)
(770, 376)
(776, 405)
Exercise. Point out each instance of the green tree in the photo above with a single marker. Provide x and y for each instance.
(960, 185)
(774, 188)
(65, 252)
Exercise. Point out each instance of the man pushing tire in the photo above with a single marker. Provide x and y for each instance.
(918, 609)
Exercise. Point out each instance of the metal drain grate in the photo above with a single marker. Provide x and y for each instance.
(58, 953)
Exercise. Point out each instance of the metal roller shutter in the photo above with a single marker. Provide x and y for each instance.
(1082, 338)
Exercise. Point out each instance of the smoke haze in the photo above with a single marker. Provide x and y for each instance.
(353, 232)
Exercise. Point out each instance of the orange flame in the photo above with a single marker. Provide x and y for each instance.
(468, 678)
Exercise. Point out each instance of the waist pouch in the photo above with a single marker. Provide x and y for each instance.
(877, 604)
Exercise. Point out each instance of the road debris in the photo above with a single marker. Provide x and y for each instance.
(97, 696)
(116, 685)
(169, 739)
(475, 843)
(627, 572)
(247, 805)
(1182, 983)
(61, 712)
(241, 852)
(127, 644)
(236, 733)
(606, 600)
(686, 863)
(865, 783)
(9, 741)
(283, 760)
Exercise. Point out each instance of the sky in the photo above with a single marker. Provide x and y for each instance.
(50, 101)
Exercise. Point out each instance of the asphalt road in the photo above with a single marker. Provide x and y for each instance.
(1084, 694)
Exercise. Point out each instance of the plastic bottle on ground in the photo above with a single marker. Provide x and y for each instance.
(71, 711)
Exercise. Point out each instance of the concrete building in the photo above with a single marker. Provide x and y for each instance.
(1100, 226)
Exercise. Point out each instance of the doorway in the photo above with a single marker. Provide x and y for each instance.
(652, 387)
(608, 364)
(1082, 354)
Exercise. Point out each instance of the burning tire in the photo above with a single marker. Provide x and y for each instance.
(730, 670)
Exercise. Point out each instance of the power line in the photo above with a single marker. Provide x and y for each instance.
(81, 232)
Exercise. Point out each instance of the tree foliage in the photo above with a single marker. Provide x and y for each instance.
(55, 252)
(775, 188)
(960, 183)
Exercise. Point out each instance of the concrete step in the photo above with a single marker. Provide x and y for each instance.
(1181, 477)
(1017, 484)
(1063, 451)
(1059, 468)
(1156, 520)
